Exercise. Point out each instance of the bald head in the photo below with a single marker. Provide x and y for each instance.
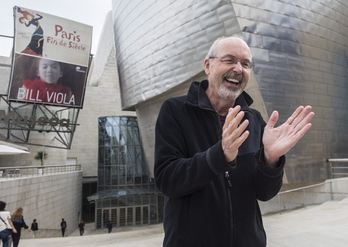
(223, 41)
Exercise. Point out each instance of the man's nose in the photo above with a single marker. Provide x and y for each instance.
(238, 68)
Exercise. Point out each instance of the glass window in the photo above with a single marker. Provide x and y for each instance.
(145, 214)
(130, 217)
(130, 200)
(114, 216)
(145, 199)
(114, 175)
(123, 175)
(99, 218)
(122, 171)
(122, 217)
(138, 220)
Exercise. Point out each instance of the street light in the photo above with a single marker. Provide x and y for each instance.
(43, 146)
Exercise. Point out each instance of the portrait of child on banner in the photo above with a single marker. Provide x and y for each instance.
(47, 81)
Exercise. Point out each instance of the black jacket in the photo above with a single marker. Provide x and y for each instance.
(34, 226)
(18, 224)
(209, 202)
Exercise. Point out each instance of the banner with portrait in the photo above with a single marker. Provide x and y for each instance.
(51, 59)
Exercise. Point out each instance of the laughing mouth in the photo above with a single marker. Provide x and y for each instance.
(232, 80)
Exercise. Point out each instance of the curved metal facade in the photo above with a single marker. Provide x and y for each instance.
(299, 49)
(160, 44)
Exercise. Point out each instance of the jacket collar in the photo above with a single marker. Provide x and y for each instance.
(197, 97)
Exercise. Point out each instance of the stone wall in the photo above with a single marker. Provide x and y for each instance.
(47, 198)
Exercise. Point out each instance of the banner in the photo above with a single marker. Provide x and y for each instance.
(51, 59)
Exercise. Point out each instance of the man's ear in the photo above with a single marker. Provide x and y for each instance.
(207, 66)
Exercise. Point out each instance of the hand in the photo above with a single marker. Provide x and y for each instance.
(233, 133)
(278, 141)
(14, 230)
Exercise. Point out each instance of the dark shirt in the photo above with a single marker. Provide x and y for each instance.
(63, 224)
(34, 226)
(81, 225)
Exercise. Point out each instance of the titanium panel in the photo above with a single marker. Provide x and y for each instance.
(160, 44)
(303, 62)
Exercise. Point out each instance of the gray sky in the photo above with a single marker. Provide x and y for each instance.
(90, 12)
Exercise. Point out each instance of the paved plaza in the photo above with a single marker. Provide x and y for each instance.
(324, 225)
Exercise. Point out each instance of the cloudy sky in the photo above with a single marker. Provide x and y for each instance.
(90, 12)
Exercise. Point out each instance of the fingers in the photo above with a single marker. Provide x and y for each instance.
(300, 119)
(299, 114)
(303, 131)
(231, 144)
(234, 136)
(305, 117)
(233, 120)
(230, 118)
(234, 133)
(294, 115)
(272, 119)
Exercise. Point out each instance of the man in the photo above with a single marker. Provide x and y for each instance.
(109, 226)
(63, 226)
(215, 156)
(34, 227)
(81, 227)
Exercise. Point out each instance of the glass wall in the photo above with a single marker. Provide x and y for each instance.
(126, 194)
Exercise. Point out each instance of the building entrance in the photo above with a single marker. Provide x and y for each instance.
(127, 216)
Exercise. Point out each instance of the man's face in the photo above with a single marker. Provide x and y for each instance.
(228, 70)
(49, 71)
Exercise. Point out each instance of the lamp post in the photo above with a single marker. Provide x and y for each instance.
(43, 150)
(43, 146)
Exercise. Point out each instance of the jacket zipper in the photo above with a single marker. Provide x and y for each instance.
(229, 183)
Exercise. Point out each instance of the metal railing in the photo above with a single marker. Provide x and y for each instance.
(34, 171)
(303, 189)
(338, 170)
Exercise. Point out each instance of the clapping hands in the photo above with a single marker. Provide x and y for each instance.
(276, 141)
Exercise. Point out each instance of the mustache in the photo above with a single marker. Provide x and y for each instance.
(233, 75)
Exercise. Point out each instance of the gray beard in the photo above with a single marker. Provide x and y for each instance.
(229, 93)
